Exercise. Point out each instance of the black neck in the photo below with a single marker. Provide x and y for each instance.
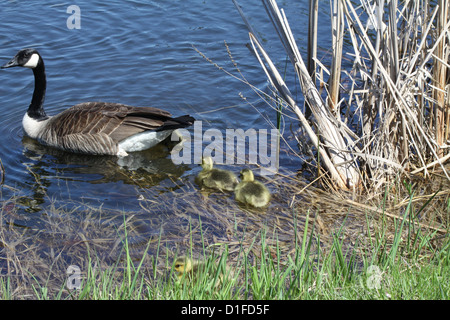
(36, 108)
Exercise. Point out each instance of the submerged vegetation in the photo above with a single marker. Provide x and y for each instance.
(373, 224)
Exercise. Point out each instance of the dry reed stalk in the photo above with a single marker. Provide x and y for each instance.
(2, 172)
(337, 38)
(432, 164)
(447, 110)
(394, 216)
(312, 38)
(312, 45)
(440, 67)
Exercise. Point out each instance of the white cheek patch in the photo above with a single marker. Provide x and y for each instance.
(32, 62)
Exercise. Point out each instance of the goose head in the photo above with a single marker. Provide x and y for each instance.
(183, 265)
(28, 58)
(207, 163)
(247, 175)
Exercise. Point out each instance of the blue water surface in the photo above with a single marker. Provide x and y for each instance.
(138, 53)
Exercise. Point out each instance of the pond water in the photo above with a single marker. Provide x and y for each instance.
(137, 53)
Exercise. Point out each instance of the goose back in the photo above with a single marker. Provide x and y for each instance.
(98, 127)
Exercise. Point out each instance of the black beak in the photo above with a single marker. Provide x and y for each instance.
(10, 64)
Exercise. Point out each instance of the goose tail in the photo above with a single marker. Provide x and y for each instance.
(177, 123)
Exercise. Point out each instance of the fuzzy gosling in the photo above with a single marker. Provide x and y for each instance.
(192, 268)
(188, 266)
(251, 192)
(216, 178)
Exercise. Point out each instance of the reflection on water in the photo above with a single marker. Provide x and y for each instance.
(146, 169)
(49, 166)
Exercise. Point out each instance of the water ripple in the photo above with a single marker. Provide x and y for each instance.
(133, 52)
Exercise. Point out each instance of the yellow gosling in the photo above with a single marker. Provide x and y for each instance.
(185, 265)
(251, 192)
(190, 269)
(214, 178)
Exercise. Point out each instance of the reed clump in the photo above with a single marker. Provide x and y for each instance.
(386, 113)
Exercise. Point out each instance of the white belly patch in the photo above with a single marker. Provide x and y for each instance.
(142, 141)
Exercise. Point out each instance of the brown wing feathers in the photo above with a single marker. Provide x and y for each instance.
(106, 124)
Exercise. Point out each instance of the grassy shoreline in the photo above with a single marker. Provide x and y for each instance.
(379, 257)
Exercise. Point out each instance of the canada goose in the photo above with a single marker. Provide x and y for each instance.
(251, 192)
(98, 128)
(216, 178)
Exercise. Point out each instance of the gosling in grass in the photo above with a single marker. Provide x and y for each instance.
(191, 268)
(216, 178)
(251, 192)
(185, 265)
